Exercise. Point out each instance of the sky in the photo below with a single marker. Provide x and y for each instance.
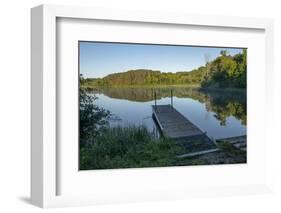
(98, 59)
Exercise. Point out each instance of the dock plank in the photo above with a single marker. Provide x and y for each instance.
(198, 153)
(173, 124)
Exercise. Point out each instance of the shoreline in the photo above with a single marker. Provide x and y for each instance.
(143, 86)
(193, 86)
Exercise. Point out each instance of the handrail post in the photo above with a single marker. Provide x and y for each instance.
(155, 99)
(172, 98)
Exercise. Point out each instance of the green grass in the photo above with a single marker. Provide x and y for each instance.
(135, 147)
(127, 147)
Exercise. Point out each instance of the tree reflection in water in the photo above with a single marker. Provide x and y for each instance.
(222, 102)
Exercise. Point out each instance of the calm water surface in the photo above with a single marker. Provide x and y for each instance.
(220, 113)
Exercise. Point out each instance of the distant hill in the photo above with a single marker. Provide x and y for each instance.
(224, 71)
(146, 77)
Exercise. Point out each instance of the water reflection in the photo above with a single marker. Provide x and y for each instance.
(223, 104)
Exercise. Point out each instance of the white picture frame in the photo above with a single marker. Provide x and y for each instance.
(44, 155)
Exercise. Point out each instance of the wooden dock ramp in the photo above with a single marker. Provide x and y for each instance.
(240, 142)
(173, 124)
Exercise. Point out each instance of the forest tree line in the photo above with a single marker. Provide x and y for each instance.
(224, 71)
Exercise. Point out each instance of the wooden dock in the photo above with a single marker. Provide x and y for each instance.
(192, 139)
(240, 142)
(173, 124)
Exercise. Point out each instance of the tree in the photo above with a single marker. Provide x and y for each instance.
(223, 52)
(227, 71)
(93, 119)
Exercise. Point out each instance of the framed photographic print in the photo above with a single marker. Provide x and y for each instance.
(130, 106)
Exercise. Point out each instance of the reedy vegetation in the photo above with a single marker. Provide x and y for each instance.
(127, 147)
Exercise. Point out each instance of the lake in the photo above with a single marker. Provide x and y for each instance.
(221, 113)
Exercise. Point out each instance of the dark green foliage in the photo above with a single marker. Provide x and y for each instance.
(146, 78)
(227, 71)
(93, 119)
(127, 147)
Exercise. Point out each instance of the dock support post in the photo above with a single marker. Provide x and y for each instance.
(155, 99)
(172, 99)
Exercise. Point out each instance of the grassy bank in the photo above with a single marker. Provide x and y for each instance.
(127, 147)
(135, 147)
